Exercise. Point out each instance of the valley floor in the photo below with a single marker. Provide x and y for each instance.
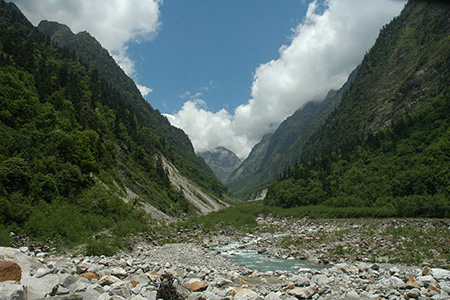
(353, 259)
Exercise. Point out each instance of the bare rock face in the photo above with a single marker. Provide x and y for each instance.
(10, 271)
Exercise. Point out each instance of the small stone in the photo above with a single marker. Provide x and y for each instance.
(433, 288)
(134, 283)
(10, 271)
(321, 279)
(154, 276)
(242, 281)
(303, 293)
(122, 289)
(410, 277)
(302, 281)
(62, 290)
(118, 272)
(242, 293)
(197, 286)
(222, 281)
(426, 271)
(89, 275)
(272, 296)
(108, 280)
(412, 285)
(413, 293)
(352, 295)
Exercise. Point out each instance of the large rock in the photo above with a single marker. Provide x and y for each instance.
(28, 264)
(440, 274)
(11, 291)
(10, 271)
(36, 286)
(40, 287)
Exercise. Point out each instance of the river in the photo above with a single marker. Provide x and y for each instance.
(237, 252)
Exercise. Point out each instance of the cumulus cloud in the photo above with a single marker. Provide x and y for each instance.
(114, 23)
(324, 49)
(208, 130)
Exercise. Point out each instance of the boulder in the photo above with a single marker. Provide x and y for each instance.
(27, 264)
(40, 287)
(440, 274)
(10, 290)
(10, 271)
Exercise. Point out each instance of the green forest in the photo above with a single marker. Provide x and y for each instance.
(387, 146)
(71, 143)
(401, 171)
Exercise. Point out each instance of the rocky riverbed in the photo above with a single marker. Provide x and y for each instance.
(194, 270)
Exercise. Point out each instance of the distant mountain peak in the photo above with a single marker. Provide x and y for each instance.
(222, 161)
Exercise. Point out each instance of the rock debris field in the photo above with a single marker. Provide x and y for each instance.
(194, 270)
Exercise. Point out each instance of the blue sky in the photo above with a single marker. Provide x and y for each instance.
(212, 47)
(227, 72)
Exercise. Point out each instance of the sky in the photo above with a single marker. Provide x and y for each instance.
(227, 72)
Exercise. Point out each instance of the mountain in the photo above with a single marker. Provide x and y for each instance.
(80, 144)
(284, 147)
(222, 161)
(385, 150)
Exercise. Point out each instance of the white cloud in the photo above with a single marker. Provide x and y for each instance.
(208, 130)
(114, 23)
(324, 49)
(144, 90)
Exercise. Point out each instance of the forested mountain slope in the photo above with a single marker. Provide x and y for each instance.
(89, 51)
(284, 147)
(78, 146)
(388, 144)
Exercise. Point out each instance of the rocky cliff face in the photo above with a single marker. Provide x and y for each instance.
(284, 147)
(222, 161)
